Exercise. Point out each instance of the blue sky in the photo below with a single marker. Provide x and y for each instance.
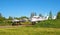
(18, 8)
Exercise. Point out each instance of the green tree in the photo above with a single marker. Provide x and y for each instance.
(1, 17)
(4, 18)
(10, 18)
(58, 15)
(50, 15)
(33, 14)
(17, 18)
(23, 17)
(40, 15)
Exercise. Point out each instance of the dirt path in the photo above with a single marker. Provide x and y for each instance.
(14, 26)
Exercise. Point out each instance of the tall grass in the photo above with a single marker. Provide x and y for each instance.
(29, 31)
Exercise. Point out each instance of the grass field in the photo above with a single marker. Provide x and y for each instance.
(20, 30)
(49, 27)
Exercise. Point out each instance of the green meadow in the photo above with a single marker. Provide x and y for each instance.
(20, 30)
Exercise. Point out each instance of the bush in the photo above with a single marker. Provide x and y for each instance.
(49, 23)
(4, 23)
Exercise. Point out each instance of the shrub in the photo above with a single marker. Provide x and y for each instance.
(49, 23)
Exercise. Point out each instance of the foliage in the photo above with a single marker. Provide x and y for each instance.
(33, 14)
(2, 18)
(10, 18)
(40, 15)
(49, 23)
(58, 15)
(17, 18)
(1, 15)
(23, 17)
(50, 15)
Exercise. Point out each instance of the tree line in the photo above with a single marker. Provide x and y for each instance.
(6, 20)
